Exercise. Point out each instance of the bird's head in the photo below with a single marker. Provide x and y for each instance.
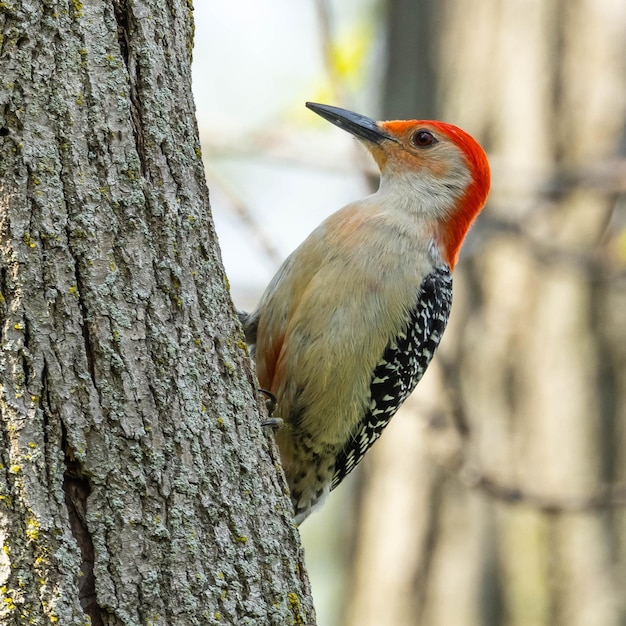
(444, 169)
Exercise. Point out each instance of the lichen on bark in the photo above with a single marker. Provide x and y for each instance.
(132, 461)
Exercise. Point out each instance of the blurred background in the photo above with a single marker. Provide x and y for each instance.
(493, 498)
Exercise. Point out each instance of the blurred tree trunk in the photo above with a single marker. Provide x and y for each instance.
(528, 387)
(136, 486)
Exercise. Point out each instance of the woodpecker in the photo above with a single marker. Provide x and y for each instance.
(349, 323)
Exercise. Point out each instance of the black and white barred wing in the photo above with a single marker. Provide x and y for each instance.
(403, 364)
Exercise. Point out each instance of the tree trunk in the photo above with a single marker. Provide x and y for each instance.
(136, 486)
(527, 391)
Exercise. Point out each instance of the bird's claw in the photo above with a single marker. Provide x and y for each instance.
(270, 401)
(270, 404)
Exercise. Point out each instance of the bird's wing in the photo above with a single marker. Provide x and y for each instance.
(403, 364)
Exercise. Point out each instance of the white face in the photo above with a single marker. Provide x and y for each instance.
(423, 167)
(424, 192)
(431, 195)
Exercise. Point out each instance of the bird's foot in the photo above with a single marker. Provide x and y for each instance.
(273, 422)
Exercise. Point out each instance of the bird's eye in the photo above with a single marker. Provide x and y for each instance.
(423, 139)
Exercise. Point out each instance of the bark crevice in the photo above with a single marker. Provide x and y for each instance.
(122, 17)
(84, 328)
(76, 489)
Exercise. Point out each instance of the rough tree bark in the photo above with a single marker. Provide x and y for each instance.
(529, 383)
(136, 486)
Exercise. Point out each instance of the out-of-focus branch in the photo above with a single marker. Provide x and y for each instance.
(246, 216)
(457, 461)
(595, 262)
(608, 177)
(324, 21)
(279, 150)
(605, 497)
(451, 446)
(337, 84)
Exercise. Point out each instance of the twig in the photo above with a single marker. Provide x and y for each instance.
(456, 459)
(326, 43)
(241, 210)
(605, 497)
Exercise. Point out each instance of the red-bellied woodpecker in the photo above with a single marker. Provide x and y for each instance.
(349, 324)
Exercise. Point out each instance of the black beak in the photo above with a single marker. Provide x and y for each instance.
(355, 123)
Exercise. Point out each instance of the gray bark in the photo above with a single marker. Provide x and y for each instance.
(136, 486)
